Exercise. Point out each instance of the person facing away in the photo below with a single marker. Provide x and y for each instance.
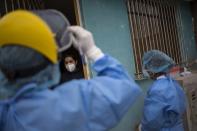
(165, 102)
(29, 67)
(70, 68)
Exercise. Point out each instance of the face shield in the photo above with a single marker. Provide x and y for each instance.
(58, 24)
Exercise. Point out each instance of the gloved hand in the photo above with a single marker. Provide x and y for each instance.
(84, 42)
(139, 127)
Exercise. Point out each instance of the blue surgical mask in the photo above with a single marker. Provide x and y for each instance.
(145, 73)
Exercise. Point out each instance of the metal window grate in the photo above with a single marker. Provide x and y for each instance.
(10, 5)
(155, 24)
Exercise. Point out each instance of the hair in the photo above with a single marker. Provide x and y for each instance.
(155, 75)
(72, 52)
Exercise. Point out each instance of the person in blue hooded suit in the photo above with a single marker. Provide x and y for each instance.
(29, 68)
(165, 102)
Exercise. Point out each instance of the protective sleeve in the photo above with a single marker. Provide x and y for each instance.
(103, 100)
(159, 112)
(153, 113)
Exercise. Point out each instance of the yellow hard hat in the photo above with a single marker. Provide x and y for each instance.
(26, 29)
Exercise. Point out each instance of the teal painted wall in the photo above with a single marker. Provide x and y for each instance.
(108, 21)
(189, 39)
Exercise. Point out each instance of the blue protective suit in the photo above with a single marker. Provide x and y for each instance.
(164, 106)
(81, 105)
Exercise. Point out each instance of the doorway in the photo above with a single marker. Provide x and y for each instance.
(67, 7)
(70, 10)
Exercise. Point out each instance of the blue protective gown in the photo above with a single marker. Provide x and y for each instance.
(164, 106)
(81, 105)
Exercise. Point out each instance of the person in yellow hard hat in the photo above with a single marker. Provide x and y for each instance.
(29, 49)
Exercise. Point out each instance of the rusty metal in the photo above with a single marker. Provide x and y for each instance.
(154, 26)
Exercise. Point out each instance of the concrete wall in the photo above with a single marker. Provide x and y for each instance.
(194, 15)
(189, 39)
(108, 21)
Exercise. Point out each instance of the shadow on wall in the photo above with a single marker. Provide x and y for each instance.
(132, 118)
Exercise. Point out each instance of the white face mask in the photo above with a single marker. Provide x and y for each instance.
(70, 67)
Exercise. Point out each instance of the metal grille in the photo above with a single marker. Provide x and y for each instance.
(10, 5)
(155, 24)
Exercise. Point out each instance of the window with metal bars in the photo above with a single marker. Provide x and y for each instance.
(155, 24)
(10, 5)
